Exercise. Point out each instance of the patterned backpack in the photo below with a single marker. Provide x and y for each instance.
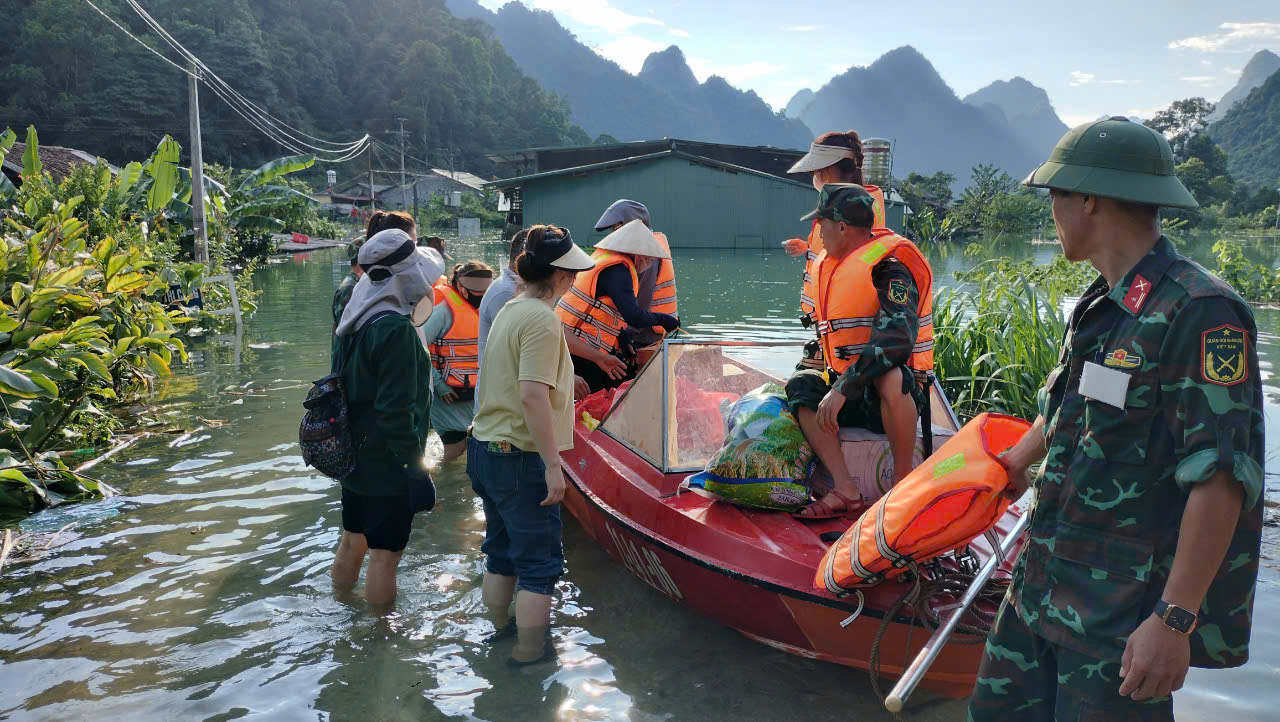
(325, 435)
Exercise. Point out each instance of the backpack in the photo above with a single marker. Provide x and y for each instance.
(325, 435)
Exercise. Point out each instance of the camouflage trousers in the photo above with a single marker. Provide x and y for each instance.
(1026, 678)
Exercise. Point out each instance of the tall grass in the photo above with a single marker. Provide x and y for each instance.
(998, 334)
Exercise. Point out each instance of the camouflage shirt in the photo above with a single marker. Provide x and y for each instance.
(1112, 490)
(342, 296)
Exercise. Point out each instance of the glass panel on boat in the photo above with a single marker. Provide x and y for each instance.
(673, 413)
(676, 405)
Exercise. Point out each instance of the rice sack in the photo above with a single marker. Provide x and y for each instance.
(765, 461)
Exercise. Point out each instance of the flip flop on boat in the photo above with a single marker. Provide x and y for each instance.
(822, 510)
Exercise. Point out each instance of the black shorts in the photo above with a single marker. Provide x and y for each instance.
(451, 437)
(385, 521)
(807, 387)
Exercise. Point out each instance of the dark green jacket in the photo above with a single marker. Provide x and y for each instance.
(388, 382)
(1113, 488)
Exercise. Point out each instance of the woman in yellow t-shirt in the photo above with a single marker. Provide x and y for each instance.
(524, 419)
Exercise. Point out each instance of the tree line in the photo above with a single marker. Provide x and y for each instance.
(333, 69)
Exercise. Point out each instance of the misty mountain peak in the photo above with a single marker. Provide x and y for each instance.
(668, 70)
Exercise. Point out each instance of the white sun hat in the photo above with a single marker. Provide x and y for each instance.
(397, 275)
(634, 238)
(821, 156)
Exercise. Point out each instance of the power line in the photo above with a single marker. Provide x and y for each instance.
(264, 122)
(249, 105)
(157, 53)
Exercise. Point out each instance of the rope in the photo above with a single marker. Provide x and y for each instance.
(927, 584)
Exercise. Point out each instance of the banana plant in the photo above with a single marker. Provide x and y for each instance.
(79, 327)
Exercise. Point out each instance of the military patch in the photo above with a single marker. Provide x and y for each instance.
(1121, 359)
(897, 291)
(1139, 291)
(1224, 355)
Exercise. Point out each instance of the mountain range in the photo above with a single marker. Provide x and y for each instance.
(1025, 109)
(664, 100)
(1261, 66)
(1250, 134)
(901, 97)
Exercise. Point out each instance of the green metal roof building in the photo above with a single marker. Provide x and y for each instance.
(698, 202)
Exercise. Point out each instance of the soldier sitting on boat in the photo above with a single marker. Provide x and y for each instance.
(873, 310)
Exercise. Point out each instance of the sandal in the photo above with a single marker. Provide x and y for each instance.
(822, 510)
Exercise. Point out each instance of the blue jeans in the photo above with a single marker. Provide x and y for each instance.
(521, 537)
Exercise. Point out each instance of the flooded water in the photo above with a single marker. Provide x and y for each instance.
(202, 592)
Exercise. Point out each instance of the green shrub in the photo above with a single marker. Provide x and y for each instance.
(998, 335)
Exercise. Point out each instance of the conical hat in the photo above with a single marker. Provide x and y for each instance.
(635, 238)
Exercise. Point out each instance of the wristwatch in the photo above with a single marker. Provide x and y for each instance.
(1176, 618)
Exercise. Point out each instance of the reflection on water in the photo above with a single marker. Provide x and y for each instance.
(203, 592)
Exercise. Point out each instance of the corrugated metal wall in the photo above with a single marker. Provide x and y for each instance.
(696, 205)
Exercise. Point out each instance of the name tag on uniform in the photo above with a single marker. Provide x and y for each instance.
(1106, 385)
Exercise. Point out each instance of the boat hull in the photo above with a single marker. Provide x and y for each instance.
(787, 618)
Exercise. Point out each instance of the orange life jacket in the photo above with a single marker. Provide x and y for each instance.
(438, 290)
(809, 292)
(456, 354)
(943, 504)
(848, 302)
(595, 320)
(664, 289)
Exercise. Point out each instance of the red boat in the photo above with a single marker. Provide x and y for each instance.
(748, 569)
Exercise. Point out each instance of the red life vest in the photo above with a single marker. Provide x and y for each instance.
(848, 302)
(809, 292)
(595, 320)
(456, 355)
(664, 289)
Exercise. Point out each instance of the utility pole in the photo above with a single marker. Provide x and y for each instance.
(199, 228)
(402, 135)
(369, 155)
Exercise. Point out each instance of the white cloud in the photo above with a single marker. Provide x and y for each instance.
(1074, 120)
(1207, 63)
(1201, 79)
(1232, 37)
(1233, 71)
(678, 32)
(596, 14)
(802, 28)
(629, 51)
(738, 74)
(1082, 78)
(1079, 77)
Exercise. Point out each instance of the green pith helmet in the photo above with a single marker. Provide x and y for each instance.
(1114, 158)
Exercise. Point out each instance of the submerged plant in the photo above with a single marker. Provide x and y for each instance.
(998, 335)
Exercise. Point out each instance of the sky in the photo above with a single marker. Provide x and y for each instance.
(1122, 57)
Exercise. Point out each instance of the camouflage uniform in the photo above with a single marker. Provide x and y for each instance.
(1110, 496)
(893, 336)
(342, 296)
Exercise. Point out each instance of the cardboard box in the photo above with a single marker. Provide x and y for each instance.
(871, 463)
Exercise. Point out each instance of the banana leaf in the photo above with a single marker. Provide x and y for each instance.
(31, 165)
(275, 169)
(163, 170)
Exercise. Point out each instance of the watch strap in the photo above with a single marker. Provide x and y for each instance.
(1176, 618)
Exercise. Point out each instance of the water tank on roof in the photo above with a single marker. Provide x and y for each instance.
(331, 178)
(877, 161)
